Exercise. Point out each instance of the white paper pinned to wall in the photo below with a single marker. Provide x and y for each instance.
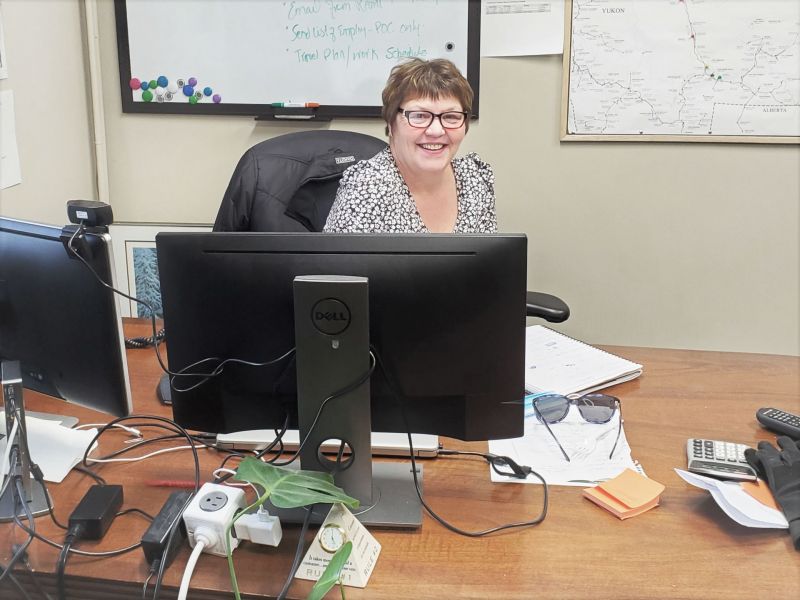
(9, 154)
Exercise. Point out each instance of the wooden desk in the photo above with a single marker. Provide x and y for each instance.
(686, 548)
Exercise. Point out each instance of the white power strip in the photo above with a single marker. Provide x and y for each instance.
(210, 513)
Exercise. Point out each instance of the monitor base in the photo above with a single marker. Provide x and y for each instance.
(395, 504)
(37, 503)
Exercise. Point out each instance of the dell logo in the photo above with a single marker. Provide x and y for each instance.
(330, 316)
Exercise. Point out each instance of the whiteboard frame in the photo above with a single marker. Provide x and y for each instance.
(265, 111)
(582, 137)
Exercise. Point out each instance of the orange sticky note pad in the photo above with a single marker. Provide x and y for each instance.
(627, 495)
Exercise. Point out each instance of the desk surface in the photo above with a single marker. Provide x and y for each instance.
(685, 548)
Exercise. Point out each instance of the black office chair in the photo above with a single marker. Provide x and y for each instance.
(288, 183)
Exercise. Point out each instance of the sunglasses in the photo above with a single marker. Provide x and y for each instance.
(593, 408)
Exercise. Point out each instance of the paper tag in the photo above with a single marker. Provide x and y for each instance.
(358, 568)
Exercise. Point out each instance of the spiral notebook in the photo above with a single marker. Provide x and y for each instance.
(558, 363)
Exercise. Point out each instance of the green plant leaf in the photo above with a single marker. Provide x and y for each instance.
(330, 577)
(290, 488)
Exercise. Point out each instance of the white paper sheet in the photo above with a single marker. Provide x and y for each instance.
(587, 444)
(9, 154)
(522, 27)
(56, 449)
(557, 363)
(736, 503)
(3, 57)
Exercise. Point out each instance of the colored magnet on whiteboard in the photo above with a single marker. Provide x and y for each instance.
(169, 96)
(144, 85)
(193, 100)
(192, 81)
(198, 94)
(147, 95)
(188, 90)
(181, 83)
(217, 98)
(153, 84)
(207, 91)
(162, 81)
(449, 46)
(172, 88)
(135, 83)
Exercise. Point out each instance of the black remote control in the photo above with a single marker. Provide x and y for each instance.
(779, 421)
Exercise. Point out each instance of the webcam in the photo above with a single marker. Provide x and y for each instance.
(87, 215)
(90, 213)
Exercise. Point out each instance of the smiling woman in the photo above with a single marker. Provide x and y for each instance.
(417, 184)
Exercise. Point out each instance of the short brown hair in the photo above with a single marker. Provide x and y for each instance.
(420, 78)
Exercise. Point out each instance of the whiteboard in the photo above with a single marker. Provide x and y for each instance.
(244, 55)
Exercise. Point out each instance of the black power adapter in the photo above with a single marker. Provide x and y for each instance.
(155, 539)
(96, 511)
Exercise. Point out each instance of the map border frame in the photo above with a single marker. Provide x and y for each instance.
(565, 136)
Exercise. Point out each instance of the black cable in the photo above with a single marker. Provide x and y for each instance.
(145, 342)
(163, 423)
(91, 474)
(418, 489)
(15, 581)
(139, 511)
(163, 560)
(18, 500)
(50, 542)
(345, 390)
(173, 374)
(153, 569)
(73, 533)
(298, 554)
(18, 494)
(35, 580)
(168, 422)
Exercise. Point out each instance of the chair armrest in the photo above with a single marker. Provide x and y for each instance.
(547, 307)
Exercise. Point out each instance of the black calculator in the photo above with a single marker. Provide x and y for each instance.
(723, 460)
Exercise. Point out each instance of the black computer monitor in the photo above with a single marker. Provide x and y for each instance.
(58, 321)
(447, 317)
(446, 320)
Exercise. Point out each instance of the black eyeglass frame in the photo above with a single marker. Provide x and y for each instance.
(576, 402)
(433, 116)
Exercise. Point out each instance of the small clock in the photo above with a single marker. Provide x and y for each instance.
(332, 537)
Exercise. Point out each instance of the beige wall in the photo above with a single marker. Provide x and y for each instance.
(675, 245)
(44, 47)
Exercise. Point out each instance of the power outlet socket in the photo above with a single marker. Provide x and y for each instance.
(211, 511)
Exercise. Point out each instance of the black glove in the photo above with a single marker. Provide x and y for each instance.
(781, 471)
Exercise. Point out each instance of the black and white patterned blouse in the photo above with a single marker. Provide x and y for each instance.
(373, 198)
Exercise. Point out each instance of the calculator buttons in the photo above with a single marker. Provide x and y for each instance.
(719, 459)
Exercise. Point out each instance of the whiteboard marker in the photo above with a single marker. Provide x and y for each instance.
(294, 104)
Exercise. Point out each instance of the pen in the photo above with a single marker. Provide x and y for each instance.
(171, 483)
(294, 104)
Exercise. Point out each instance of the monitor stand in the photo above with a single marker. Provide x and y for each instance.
(332, 354)
(34, 494)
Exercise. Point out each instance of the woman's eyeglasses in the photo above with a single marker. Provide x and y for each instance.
(422, 119)
(594, 408)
